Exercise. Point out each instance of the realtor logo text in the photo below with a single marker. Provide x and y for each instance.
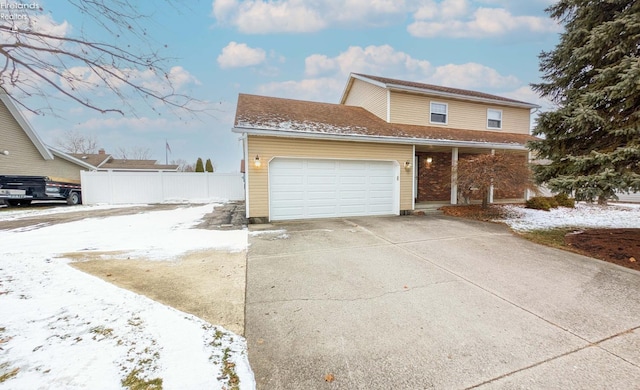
(19, 6)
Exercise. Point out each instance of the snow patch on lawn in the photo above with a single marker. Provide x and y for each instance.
(19, 213)
(584, 215)
(64, 329)
(158, 235)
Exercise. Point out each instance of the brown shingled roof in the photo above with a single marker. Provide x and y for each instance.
(288, 115)
(136, 164)
(94, 159)
(437, 88)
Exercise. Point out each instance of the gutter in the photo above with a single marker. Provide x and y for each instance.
(71, 159)
(451, 95)
(377, 139)
(430, 92)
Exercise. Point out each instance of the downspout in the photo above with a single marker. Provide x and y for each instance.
(388, 106)
(493, 152)
(454, 176)
(414, 182)
(245, 145)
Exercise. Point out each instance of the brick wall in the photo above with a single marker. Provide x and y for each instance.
(518, 193)
(473, 195)
(434, 179)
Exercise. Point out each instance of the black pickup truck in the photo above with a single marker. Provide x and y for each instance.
(21, 190)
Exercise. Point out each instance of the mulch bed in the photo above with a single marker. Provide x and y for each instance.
(619, 246)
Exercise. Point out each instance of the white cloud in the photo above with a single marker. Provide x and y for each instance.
(260, 17)
(236, 55)
(143, 124)
(371, 59)
(180, 77)
(222, 9)
(326, 76)
(325, 89)
(446, 9)
(295, 16)
(448, 19)
(83, 78)
(471, 76)
(456, 18)
(526, 94)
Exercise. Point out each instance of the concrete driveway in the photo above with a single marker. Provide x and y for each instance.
(434, 302)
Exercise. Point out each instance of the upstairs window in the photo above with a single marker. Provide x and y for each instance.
(494, 119)
(438, 113)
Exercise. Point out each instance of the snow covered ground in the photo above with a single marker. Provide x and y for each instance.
(63, 329)
(583, 215)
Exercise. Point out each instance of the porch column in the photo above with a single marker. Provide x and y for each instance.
(454, 175)
(493, 152)
(527, 191)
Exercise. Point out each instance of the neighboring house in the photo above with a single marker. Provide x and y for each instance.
(388, 147)
(27, 154)
(106, 162)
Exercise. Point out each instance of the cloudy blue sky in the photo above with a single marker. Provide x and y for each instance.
(305, 49)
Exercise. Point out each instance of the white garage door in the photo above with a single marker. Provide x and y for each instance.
(314, 188)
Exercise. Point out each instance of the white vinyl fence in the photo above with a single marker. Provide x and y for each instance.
(632, 197)
(159, 187)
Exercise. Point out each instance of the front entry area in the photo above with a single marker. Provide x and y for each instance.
(325, 188)
(435, 177)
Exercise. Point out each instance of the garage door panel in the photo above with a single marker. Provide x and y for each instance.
(282, 180)
(321, 180)
(351, 210)
(321, 211)
(289, 196)
(349, 195)
(316, 188)
(323, 165)
(374, 180)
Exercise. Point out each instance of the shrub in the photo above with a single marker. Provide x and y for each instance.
(199, 165)
(564, 200)
(540, 203)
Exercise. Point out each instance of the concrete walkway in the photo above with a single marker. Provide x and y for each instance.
(434, 302)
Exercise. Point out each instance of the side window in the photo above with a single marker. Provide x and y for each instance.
(438, 113)
(494, 119)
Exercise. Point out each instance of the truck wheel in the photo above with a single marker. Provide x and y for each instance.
(74, 199)
(25, 202)
(11, 202)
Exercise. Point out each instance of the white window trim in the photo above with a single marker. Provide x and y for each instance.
(501, 119)
(446, 118)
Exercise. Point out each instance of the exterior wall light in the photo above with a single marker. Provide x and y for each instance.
(407, 165)
(256, 161)
(429, 160)
(5, 152)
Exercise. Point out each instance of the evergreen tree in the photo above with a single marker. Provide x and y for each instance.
(209, 166)
(592, 139)
(199, 166)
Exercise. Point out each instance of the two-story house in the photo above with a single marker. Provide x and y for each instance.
(387, 148)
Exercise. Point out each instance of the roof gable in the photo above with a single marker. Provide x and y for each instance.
(433, 90)
(296, 118)
(25, 126)
(95, 159)
(72, 158)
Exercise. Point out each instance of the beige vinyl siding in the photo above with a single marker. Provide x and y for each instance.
(368, 96)
(413, 109)
(270, 147)
(24, 158)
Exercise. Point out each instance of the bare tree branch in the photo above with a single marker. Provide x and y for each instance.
(75, 142)
(510, 173)
(134, 153)
(40, 58)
